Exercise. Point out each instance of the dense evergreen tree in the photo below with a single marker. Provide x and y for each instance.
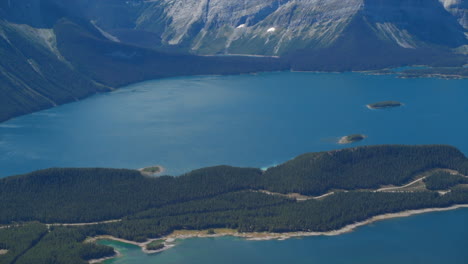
(85, 195)
(216, 197)
(19, 239)
(444, 181)
(358, 168)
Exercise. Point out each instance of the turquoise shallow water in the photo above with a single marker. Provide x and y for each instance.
(432, 238)
(247, 120)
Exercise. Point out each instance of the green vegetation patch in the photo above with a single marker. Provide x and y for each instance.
(152, 170)
(64, 245)
(352, 138)
(19, 239)
(215, 197)
(156, 245)
(444, 181)
(89, 195)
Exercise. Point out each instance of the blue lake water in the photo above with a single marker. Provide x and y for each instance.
(247, 120)
(433, 238)
(256, 120)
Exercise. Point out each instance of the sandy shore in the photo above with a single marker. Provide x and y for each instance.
(167, 243)
(3, 251)
(117, 254)
(184, 234)
(346, 229)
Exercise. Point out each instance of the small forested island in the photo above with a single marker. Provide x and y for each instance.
(153, 170)
(155, 245)
(384, 104)
(56, 215)
(351, 139)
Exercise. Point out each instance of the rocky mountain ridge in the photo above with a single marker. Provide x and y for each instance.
(277, 27)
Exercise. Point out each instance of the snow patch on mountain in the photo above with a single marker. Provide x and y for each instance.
(458, 9)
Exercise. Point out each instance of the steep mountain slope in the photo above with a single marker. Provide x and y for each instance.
(262, 27)
(33, 73)
(251, 27)
(276, 27)
(359, 48)
(412, 23)
(58, 51)
(45, 67)
(310, 34)
(458, 8)
(100, 58)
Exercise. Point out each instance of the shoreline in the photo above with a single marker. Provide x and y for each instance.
(262, 236)
(97, 261)
(111, 89)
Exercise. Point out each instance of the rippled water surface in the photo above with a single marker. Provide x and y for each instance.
(247, 120)
(256, 120)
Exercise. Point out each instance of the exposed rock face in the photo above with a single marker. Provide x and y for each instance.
(414, 23)
(275, 27)
(250, 26)
(458, 8)
(262, 27)
(56, 51)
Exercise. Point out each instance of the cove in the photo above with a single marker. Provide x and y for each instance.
(245, 120)
(438, 237)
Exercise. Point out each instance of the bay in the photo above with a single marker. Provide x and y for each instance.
(259, 121)
(431, 238)
(245, 120)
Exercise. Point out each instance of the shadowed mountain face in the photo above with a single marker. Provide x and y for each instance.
(58, 51)
(52, 54)
(415, 23)
(33, 73)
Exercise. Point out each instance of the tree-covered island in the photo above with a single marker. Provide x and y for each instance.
(384, 104)
(351, 139)
(153, 170)
(50, 216)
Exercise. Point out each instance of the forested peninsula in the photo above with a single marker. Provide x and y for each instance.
(48, 216)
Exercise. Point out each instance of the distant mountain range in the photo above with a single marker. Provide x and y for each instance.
(59, 51)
